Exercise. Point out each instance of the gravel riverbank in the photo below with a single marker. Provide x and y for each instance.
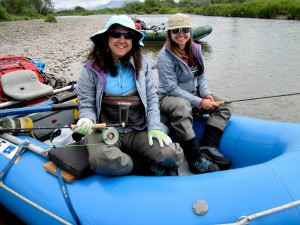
(62, 46)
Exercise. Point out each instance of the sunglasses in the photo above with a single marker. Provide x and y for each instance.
(117, 34)
(185, 30)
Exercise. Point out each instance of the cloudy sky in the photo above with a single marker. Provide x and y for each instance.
(73, 3)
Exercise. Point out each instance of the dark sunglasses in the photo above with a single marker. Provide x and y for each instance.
(117, 34)
(185, 30)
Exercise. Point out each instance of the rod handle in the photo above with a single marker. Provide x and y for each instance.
(94, 126)
(101, 125)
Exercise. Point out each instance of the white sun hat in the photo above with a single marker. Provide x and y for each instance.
(122, 20)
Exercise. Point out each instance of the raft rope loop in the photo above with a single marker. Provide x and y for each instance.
(34, 204)
(247, 219)
(24, 145)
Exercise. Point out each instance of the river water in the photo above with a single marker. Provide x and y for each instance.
(244, 58)
(249, 58)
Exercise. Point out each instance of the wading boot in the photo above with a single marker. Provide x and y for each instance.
(145, 167)
(197, 162)
(209, 142)
(163, 171)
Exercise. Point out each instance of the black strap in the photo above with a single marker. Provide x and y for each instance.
(65, 193)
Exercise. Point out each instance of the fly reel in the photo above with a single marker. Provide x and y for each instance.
(110, 135)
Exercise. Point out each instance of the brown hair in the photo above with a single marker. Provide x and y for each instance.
(102, 56)
(189, 50)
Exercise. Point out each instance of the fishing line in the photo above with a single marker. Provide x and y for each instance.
(257, 98)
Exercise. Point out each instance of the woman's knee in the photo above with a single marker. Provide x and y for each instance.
(110, 161)
(227, 108)
(177, 105)
(171, 156)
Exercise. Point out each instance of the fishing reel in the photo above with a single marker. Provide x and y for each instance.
(110, 136)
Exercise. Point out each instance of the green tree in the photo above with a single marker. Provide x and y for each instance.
(23, 7)
(151, 3)
(79, 9)
(185, 3)
(134, 7)
(3, 13)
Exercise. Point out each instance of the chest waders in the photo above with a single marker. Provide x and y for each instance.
(125, 110)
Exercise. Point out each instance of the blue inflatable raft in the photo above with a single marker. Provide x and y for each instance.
(265, 175)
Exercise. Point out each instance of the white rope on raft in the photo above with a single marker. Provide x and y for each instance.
(34, 204)
(247, 219)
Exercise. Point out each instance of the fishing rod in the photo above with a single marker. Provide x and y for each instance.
(8, 128)
(257, 98)
(109, 134)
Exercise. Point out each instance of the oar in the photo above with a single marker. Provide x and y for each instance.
(34, 148)
(31, 147)
(58, 99)
(257, 98)
(55, 91)
(36, 109)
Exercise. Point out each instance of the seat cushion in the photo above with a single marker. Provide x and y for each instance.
(24, 84)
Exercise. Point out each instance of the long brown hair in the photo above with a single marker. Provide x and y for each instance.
(102, 56)
(188, 49)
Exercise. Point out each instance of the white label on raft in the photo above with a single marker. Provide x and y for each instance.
(8, 149)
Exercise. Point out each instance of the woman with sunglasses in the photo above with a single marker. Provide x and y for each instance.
(184, 93)
(116, 86)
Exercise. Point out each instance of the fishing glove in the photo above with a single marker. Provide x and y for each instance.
(84, 126)
(160, 136)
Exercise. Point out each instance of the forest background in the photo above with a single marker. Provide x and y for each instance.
(11, 10)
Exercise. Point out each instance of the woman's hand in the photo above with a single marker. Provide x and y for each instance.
(160, 136)
(84, 126)
(209, 103)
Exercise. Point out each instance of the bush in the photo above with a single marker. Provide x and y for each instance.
(293, 13)
(268, 12)
(3, 14)
(50, 18)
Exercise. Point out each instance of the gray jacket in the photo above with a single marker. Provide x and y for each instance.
(176, 78)
(91, 84)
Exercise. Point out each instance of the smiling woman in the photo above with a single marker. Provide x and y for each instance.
(116, 80)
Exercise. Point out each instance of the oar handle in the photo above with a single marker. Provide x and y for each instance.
(36, 109)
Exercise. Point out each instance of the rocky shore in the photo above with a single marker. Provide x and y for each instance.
(62, 46)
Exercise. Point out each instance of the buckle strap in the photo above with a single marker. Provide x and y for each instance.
(65, 193)
(20, 151)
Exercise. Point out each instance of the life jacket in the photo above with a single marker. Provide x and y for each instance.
(13, 63)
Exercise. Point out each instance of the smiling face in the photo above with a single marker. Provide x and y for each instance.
(119, 45)
(181, 38)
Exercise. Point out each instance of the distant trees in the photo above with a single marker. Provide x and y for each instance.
(26, 7)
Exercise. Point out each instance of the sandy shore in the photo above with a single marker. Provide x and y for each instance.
(62, 46)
